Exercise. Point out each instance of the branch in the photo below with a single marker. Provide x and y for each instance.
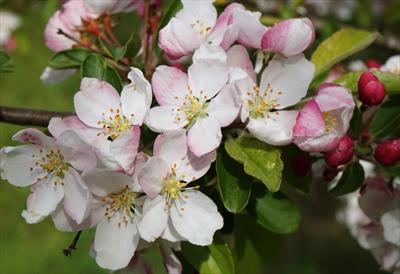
(25, 116)
(68, 251)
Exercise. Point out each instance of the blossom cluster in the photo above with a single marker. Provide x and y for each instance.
(96, 169)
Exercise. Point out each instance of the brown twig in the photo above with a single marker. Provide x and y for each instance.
(68, 251)
(25, 116)
(145, 33)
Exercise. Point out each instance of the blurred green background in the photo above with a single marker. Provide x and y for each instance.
(321, 246)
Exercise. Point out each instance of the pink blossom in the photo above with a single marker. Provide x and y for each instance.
(324, 120)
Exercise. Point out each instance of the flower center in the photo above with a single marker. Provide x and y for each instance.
(200, 27)
(115, 124)
(192, 108)
(329, 120)
(395, 70)
(259, 103)
(121, 202)
(53, 162)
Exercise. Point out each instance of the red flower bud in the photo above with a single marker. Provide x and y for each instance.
(372, 94)
(388, 152)
(301, 164)
(342, 154)
(365, 78)
(373, 63)
(330, 174)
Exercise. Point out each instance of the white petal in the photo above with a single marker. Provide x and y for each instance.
(52, 76)
(17, 163)
(201, 14)
(58, 125)
(64, 223)
(391, 226)
(238, 57)
(33, 136)
(204, 136)
(196, 218)
(193, 167)
(136, 97)
(171, 261)
(276, 130)
(209, 52)
(206, 78)
(102, 182)
(115, 243)
(162, 119)
(151, 176)
(154, 220)
(170, 233)
(289, 79)
(43, 200)
(225, 106)
(171, 146)
(125, 148)
(77, 196)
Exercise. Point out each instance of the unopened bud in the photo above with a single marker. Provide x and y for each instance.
(388, 152)
(372, 94)
(373, 63)
(301, 164)
(342, 154)
(365, 78)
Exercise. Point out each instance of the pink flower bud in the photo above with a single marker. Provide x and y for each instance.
(388, 152)
(365, 78)
(301, 164)
(372, 94)
(342, 154)
(373, 63)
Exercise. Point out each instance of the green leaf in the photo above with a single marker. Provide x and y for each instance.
(112, 77)
(387, 119)
(351, 180)
(390, 80)
(71, 58)
(260, 160)
(6, 63)
(339, 46)
(356, 125)
(116, 53)
(233, 184)
(215, 258)
(277, 214)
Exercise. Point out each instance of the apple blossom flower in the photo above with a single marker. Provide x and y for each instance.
(174, 211)
(9, 23)
(116, 118)
(200, 101)
(51, 167)
(111, 6)
(324, 120)
(117, 200)
(392, 65)
(70, 19)
(283, 83)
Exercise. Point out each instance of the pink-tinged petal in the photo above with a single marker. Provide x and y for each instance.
(100, 7)
(170, 233)
(200, 15)
(77, 196)
(276, 130)
(164, 118)
(391, 226)
(151, 176)
(73, 13)
(101, 182)
(289, 79)
(289, 37)
(16, 164)
(170, 85)
(171, 146)
(224, 33)
(64, 223)
(225, 106)
(208, 52)
(33, 136)
(238, 57)
(75, 151)
(197, 218)
(178, 39)
(115, 242)
(206, 78)
(136, 97)
(331, 97)
(43, 200)
(140, 161)
(125, 148)
(58, 125)
(310, 122)
(171, 261)
(245, 87)
(52, 76)
(204, 136)
(95, 100)
(322, 143)
(250, 28)
(105, 158)
(55, 41)
(154, 218)
(193, 167)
